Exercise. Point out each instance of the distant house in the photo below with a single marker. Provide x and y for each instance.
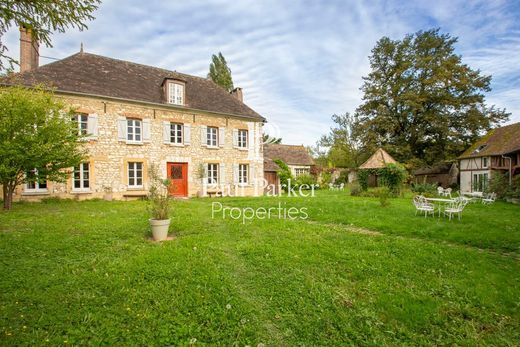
(378, 160)
(496, 152)
(443, 174)
(296, 157)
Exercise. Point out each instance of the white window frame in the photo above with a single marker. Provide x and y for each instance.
(134, 168)
(300, 171)
(134, 136)
(243, 174)
(242, 138)
(212, 137)
(81, 120)
(176, 133)
(212, 169)
(485, 162)
(35, 187)
(175, 93)
(83, 176)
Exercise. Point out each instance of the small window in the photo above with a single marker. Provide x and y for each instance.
(134, 130)
(485, 162)
(34, 182)
(175, 93)
(82, 122)
(243, 173)
(212, 173)
(135, 175)
(301, 171)
(176, 133)
(212, 136)
(242, 138)
(82, 177)
(479, 149)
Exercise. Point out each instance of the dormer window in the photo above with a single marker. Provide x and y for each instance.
(479, 149)
(175, 93)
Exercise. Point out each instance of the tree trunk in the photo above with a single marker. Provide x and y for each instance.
(8, 195)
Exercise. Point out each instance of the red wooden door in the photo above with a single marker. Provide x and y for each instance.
(178, 174)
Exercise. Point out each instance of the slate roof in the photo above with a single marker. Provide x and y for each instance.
(289, 154)
(270, 165)
(496, 142)
(378, 160)
(102, 76)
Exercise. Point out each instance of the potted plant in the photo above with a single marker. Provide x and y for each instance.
(159, 205)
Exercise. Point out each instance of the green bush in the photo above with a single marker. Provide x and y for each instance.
(284, 174)
(383, 193)
(499, 184)
(393, 176)
(325, 178)
(342, 178)
(355, 189)
(308, 180)
(422, 188)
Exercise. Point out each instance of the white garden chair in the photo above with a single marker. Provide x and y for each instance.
(447, 192)
(456, 207)
(489, 199)
(440, 191)
(422, 205)
(331, 186)
(342, 186)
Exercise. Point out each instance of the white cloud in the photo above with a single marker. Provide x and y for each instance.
(299, 62)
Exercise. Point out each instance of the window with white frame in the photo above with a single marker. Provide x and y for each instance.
(480, 182)
(134, 130)
(301, 171)
(242, 138)
(176, 133)
(212, 173)
(484, 162)
(82, 177)
(243, 173)
(212, 136)
(34, 183)
(135, 175)
(81, 120)
(175, 93)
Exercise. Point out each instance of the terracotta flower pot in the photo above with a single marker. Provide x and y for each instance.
(160, 229)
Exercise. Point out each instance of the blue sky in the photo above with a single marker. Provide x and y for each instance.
(298, 62)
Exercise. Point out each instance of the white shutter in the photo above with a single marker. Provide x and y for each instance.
(187, 134)
(222, 174)
(92, 126)
(166, 132)
(235, 138)
(203, 135)
(221, 136)
(147, 136)
(235, 173)
(251, 136)
(121, 128)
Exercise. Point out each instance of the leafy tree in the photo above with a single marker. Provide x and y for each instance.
(421, 102)
(43, 17)
(268, 139)
(284, 174)
(220, 73)
(344, 149)
(35, 133)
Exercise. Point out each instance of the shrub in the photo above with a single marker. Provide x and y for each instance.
(393, 176)
(423, 188)
(325, 178)
(158, 195)
(383, 193)
(308, 180)
(284, 173)
(342, 178)
(499, 184)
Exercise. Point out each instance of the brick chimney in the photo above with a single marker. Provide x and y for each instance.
(29, 50)
(237, 93)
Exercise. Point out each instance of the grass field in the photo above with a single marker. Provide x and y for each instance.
(353, 273)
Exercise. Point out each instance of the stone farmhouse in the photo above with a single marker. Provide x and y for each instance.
(135, 116)
(496, 152)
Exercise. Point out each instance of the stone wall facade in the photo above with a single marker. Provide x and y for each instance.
(109, 155)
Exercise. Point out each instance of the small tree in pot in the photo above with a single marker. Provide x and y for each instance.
(159, 205)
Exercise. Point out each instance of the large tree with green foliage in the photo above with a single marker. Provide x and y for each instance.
(43, 17)
(344, 149)
(421, 102)
(220, 73)
(35, 133)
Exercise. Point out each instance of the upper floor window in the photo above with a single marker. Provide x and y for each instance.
(242, 138)
(34, 183)
(133, 130)
(212, 136)
(176, 133)
(82, 177)
(484, 162)
(175, 93)
(82, 122)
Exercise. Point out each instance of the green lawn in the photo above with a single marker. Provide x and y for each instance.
(353, 273)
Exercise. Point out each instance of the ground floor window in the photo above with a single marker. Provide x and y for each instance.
(212, 173)
(243, 173)
(82, 177)
(480, 182)
(135, 175)
(35, 183)
(301, 171)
